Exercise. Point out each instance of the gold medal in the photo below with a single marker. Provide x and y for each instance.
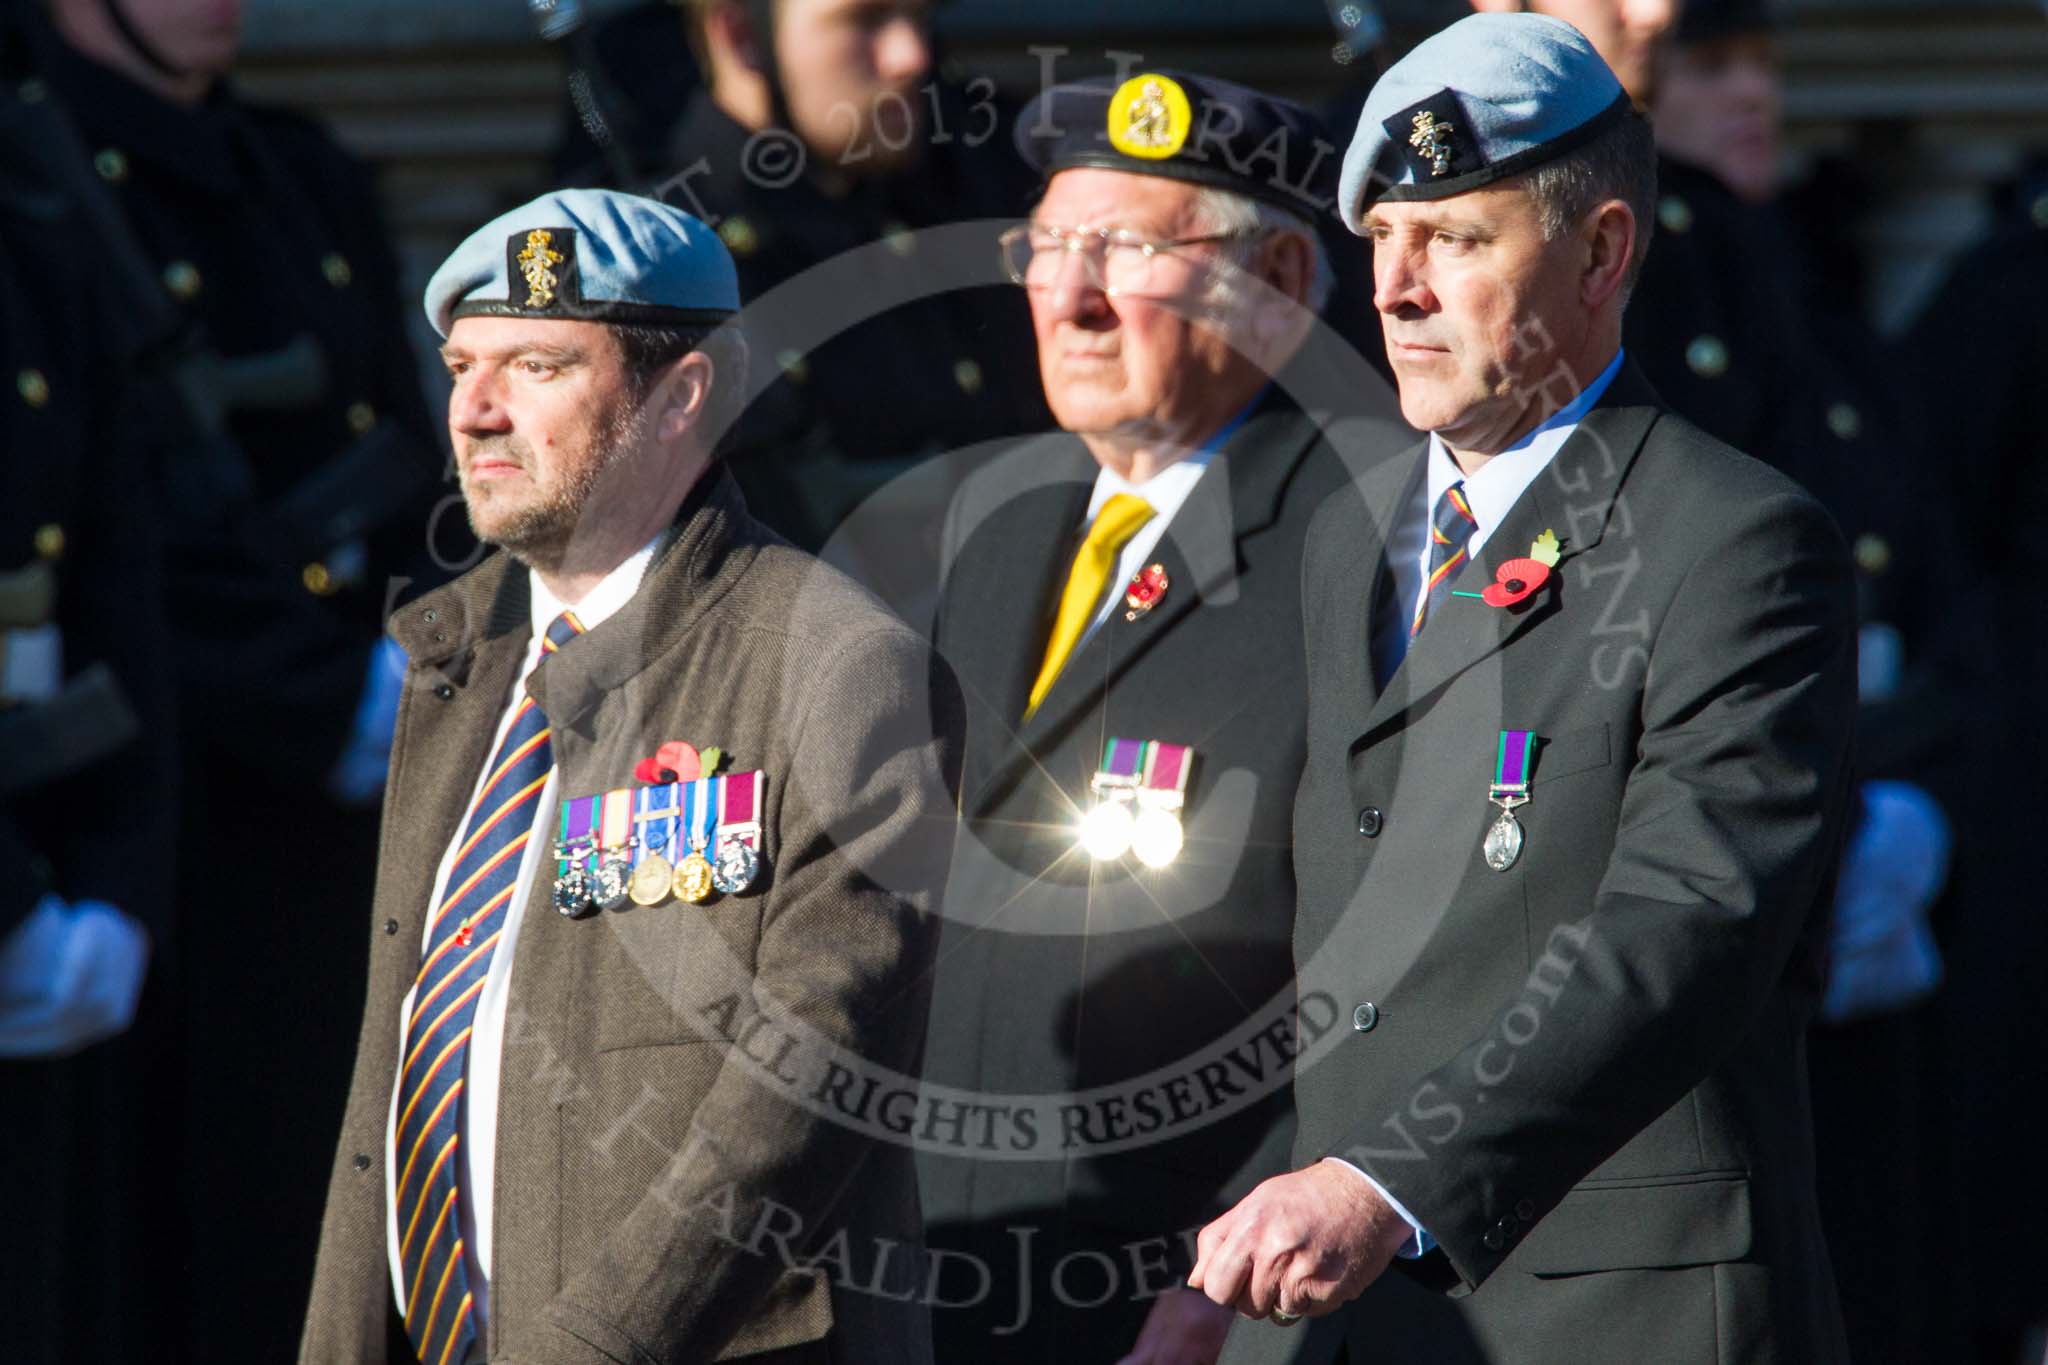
(693, 879)
(651, 880)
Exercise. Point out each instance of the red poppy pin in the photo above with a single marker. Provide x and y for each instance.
(677, 761)
(1148, 587)
(1515, 580)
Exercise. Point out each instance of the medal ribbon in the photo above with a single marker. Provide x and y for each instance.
(617, 819)
(578, 817)
(1123, 757)
(703, 816)
(1166, 769)
(1511, 766)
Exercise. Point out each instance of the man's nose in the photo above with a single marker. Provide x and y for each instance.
(474, 405)
(1398, 281)
(903, 52)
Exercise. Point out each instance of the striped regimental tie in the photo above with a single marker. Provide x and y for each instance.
(467, 925)
(1450, 532)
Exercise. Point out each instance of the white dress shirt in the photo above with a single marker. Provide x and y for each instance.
(1166, 490)
(1491, 493)
(477, 1110)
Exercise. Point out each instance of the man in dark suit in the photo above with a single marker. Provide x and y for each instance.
(621, 1149)
(1116, 594)
(1582, 682)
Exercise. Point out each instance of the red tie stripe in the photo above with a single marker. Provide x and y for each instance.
(462, 941)
(1450, 532)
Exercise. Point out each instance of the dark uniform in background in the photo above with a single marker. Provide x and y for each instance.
(1981, 351)
(286, 543)
(1754, 332)
(921, 370)
(88, 799)
(1059, 974)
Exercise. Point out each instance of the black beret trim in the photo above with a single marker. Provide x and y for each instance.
(1194, 172)
(598, 310)
(1526, 159)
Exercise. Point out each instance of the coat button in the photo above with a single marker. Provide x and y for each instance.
(361, 1162)
(182, 279)
(1365, 1017)
(34, 388)
(111, 165)
(335, 267)
(1707, 356)
(1371, 821)
(444, 691)
(1494, 1241)
(1526, 1210)
(390, 926)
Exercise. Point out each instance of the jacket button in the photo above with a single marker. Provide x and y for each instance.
(1526, 1210)
(1371, 821)
(444, 691)
(1365, 1017)
(362, 1162)
(390, 926)
(1493, 1240)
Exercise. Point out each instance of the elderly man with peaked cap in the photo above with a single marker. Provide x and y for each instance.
(1132, 582)
(1582, 681)
(668, 803)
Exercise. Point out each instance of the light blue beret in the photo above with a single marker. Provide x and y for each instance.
(1491, 96)
(591, 256)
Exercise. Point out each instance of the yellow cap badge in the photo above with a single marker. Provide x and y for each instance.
(534, 263)
(1149, 117)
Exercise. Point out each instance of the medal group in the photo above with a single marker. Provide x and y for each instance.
(642, 845)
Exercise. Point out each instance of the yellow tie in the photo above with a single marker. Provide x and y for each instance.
(1115, 524)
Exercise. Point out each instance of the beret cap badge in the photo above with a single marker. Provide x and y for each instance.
(1433, 140)
(535, 263)
(1149, 117)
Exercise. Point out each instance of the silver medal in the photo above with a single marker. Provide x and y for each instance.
(1503, 841)
(614, 876)
(736, 867)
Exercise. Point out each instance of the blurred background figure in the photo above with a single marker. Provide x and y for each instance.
(823, 127)
(1760, 331)
(293, 481)
(1981, 350)
(88, 797)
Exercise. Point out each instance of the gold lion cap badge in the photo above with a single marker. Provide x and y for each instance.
(1149, 117)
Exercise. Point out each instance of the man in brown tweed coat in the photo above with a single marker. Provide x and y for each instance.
(650, 1112)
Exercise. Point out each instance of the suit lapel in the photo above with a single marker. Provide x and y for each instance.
(999, 599)
(1575, 497)
(1238, 495)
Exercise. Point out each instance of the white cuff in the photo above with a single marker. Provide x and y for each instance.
(1421, 1244)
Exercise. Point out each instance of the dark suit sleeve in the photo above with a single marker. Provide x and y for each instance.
(1728, 829)
(861, 846)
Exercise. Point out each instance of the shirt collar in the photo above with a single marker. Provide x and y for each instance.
(612, 592)
(1169, 488)
(1501, 480)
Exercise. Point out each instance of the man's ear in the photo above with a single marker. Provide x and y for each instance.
(682, 395)
(729, 28)
(1610, 240)
(1288, 264)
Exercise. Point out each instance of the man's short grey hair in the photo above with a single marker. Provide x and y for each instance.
(1620, 163)
(648, 351)
(1221, 210)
